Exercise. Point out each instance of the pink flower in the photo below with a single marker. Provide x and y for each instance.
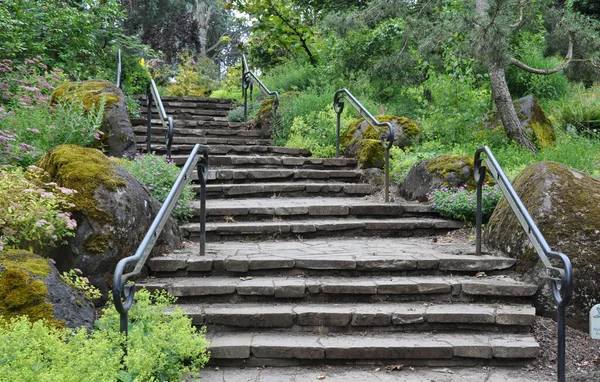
(41, 222)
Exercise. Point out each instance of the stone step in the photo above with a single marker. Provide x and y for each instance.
(188, 111)
(288, 162)
(141, 130)
(303, 208)
(181, 140)
(262, 175)
(217, 149)
(194, 124)
(368, 256)
(347, 227)
(343, 289)
(275, 190)
(408, 349)
(187, 100)
(381, 316)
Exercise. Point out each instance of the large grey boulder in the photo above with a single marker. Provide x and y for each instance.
(113, 212)
(117, 138)
(452, 171)
(565, 205)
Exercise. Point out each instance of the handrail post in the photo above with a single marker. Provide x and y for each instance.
(149, 120)
(561, 353)
(386, 178)
(119, 68)
(479, 177)
(245, 95)
(202, 170)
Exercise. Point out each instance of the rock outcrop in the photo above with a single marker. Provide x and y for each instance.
(565, 205)
(112, 209)
(363, 142)
(446, 170)
(533, 119)
(117, 139)
(30, 286)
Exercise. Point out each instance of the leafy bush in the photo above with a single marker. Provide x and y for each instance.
(401, 161)
(195, 79)
(74, 279)
(34, 213)
(159, 175)
(160, 347)
(316, 132)
(461, 204)
(236, 115)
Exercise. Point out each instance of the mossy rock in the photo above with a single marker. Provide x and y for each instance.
(533, 119)
(31, 286)
(113, 211)
(358, 140)
(267, 115)
(452, 171)
(565, 205)
(117, 138)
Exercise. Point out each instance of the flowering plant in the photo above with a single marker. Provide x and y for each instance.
(34, 214)
(158, 175)
(461, 204)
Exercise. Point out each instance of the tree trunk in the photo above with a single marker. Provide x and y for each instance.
(505, 106)
(202, 14)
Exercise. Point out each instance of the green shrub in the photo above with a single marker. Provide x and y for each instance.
(461, 204)
(402, 161)
(236, 115)
(159, 175)
(34, 213)
(160, 347)
(193, 79)
(581, 110)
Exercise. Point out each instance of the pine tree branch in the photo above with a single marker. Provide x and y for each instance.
(521, 15)
(527, 68)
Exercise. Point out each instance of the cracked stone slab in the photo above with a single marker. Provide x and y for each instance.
(498, 287)
(461, 313)
(256, 287)
(386, 347)
(230, 346)
(323, 315)
(248, 315)
(274, 345)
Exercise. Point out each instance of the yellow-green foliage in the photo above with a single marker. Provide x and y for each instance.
(21, 294)
(192, 80)
(265, 110)
(409, 127)
(84, 170)
(448, 163)
(90, 93)
(96, 243)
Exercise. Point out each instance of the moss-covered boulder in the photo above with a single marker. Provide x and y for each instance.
(363, 142)
(565, 205)
(117, 139)
(30, 286)
(267, 114)
(446, 170)
(112, 209)
(533, 119)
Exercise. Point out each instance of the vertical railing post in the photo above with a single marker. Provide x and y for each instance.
(479, 177)
(149, 120)
(387, 175)
(245, 95)
(202, 178)
(561, 322)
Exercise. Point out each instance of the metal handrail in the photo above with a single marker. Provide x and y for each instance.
(561, 278)
(338, 107)
(248, 79)
(167, 121)
(123, 292)
(119, 68)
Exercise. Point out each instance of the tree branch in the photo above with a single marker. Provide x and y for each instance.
(527, 68)
(521, 16)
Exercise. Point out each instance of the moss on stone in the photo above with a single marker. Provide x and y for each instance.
(21, 294)
(409, 127)
(96, 243)
(370, 153)
(448, 163)
(84, 170)
(544, 134)
(265, 110)
(90, 93)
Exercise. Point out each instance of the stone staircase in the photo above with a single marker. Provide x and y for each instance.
(305, 266)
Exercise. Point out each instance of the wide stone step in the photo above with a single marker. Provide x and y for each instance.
(408, 349)
(260, 175)
(368, 256)
(193, 124)
(343, 289)
(356, 317)
(200, 132)
(187, 100)
(288, 162)
(180, 140)
(348, 227)
(303, 208)
(188, 111)
(278, 189)
(218, 149)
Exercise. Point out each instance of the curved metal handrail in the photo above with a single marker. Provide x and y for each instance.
(561, 278)
(248, 80)
(119, 68)
(167, 121)
(123, 292)
(338, 107)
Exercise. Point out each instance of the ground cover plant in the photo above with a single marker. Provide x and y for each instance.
(160, 346)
